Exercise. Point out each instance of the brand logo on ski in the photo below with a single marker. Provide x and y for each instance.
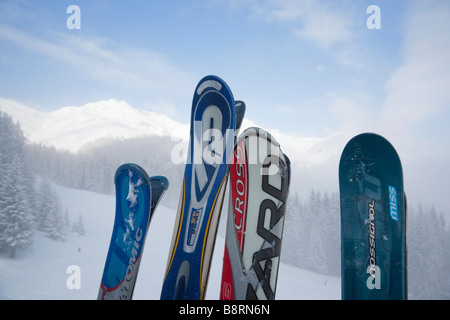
(374, 280)
(393, 207)
(136, 199)
(263, 259)
(209, 146)
(259, 180)
(239, 191)
(193, 223)
(370, 186)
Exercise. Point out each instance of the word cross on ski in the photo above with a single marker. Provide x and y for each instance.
(212, 133)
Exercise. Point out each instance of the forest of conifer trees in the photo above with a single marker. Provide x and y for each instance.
(312, 241)
(27, 202)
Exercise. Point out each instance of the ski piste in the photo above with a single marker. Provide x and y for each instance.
(137, 197)
(259, 186)
(373, 220)
(212, 134)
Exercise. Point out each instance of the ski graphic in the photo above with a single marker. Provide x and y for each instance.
(213, 124)
(373, 220)
(137, 196)
(259, 186)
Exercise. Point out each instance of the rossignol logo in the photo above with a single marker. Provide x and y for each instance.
(373, 281)
(263, 259)
(371, 187)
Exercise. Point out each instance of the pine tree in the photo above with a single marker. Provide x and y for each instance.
(15, 214)
(330, 232)
(316, 250)
(427, 255)
(78, 227)
(66, 220)
(49, 219)
(291, 235)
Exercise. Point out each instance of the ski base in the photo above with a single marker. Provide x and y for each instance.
(137, 196)
(213, 125)
(259, 186)
(373, 220)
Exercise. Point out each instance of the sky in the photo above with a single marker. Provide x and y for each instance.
(308, 68)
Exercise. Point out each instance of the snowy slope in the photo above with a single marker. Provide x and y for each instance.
(41, 272)
(71, 128)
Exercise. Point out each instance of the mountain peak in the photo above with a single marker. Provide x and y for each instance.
(70, 128)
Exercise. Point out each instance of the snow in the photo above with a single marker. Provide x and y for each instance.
(72, 128)
(46, 270)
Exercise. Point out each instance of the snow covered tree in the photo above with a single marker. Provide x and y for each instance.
(15, 212)
(292, 238)
(428, 255)
(316, 248)
(311, 237)
(78, 227)
(331, 233)
(49, 217)
(66, 220)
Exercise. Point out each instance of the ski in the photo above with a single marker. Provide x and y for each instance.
(373, 220)
(212, 130)
(240, 112)
(259, 186)
(137, 197)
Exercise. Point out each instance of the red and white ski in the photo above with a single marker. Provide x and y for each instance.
(259, 183)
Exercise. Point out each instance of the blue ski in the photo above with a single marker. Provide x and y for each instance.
(373, 220)
(212, 132)
(137, 196)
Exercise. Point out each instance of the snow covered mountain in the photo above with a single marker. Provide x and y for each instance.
(314, 159)
(71, 128)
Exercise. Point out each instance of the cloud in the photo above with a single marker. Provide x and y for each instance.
(135, 70)
(418, 89)
(328, 25)
(162, 106)
(416, 108)
(325, 25)
(353, 113)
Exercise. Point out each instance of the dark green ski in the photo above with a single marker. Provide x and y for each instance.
(373, 220)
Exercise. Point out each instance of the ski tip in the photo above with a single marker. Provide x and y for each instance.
(162, 181)
(239, 106)
(367, 138)
(132, 167)
(368, 135)
(210, 81)
(215, 82)
(259, 132)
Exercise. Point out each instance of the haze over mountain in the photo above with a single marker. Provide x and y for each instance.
(314, 160)
(76, 128)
